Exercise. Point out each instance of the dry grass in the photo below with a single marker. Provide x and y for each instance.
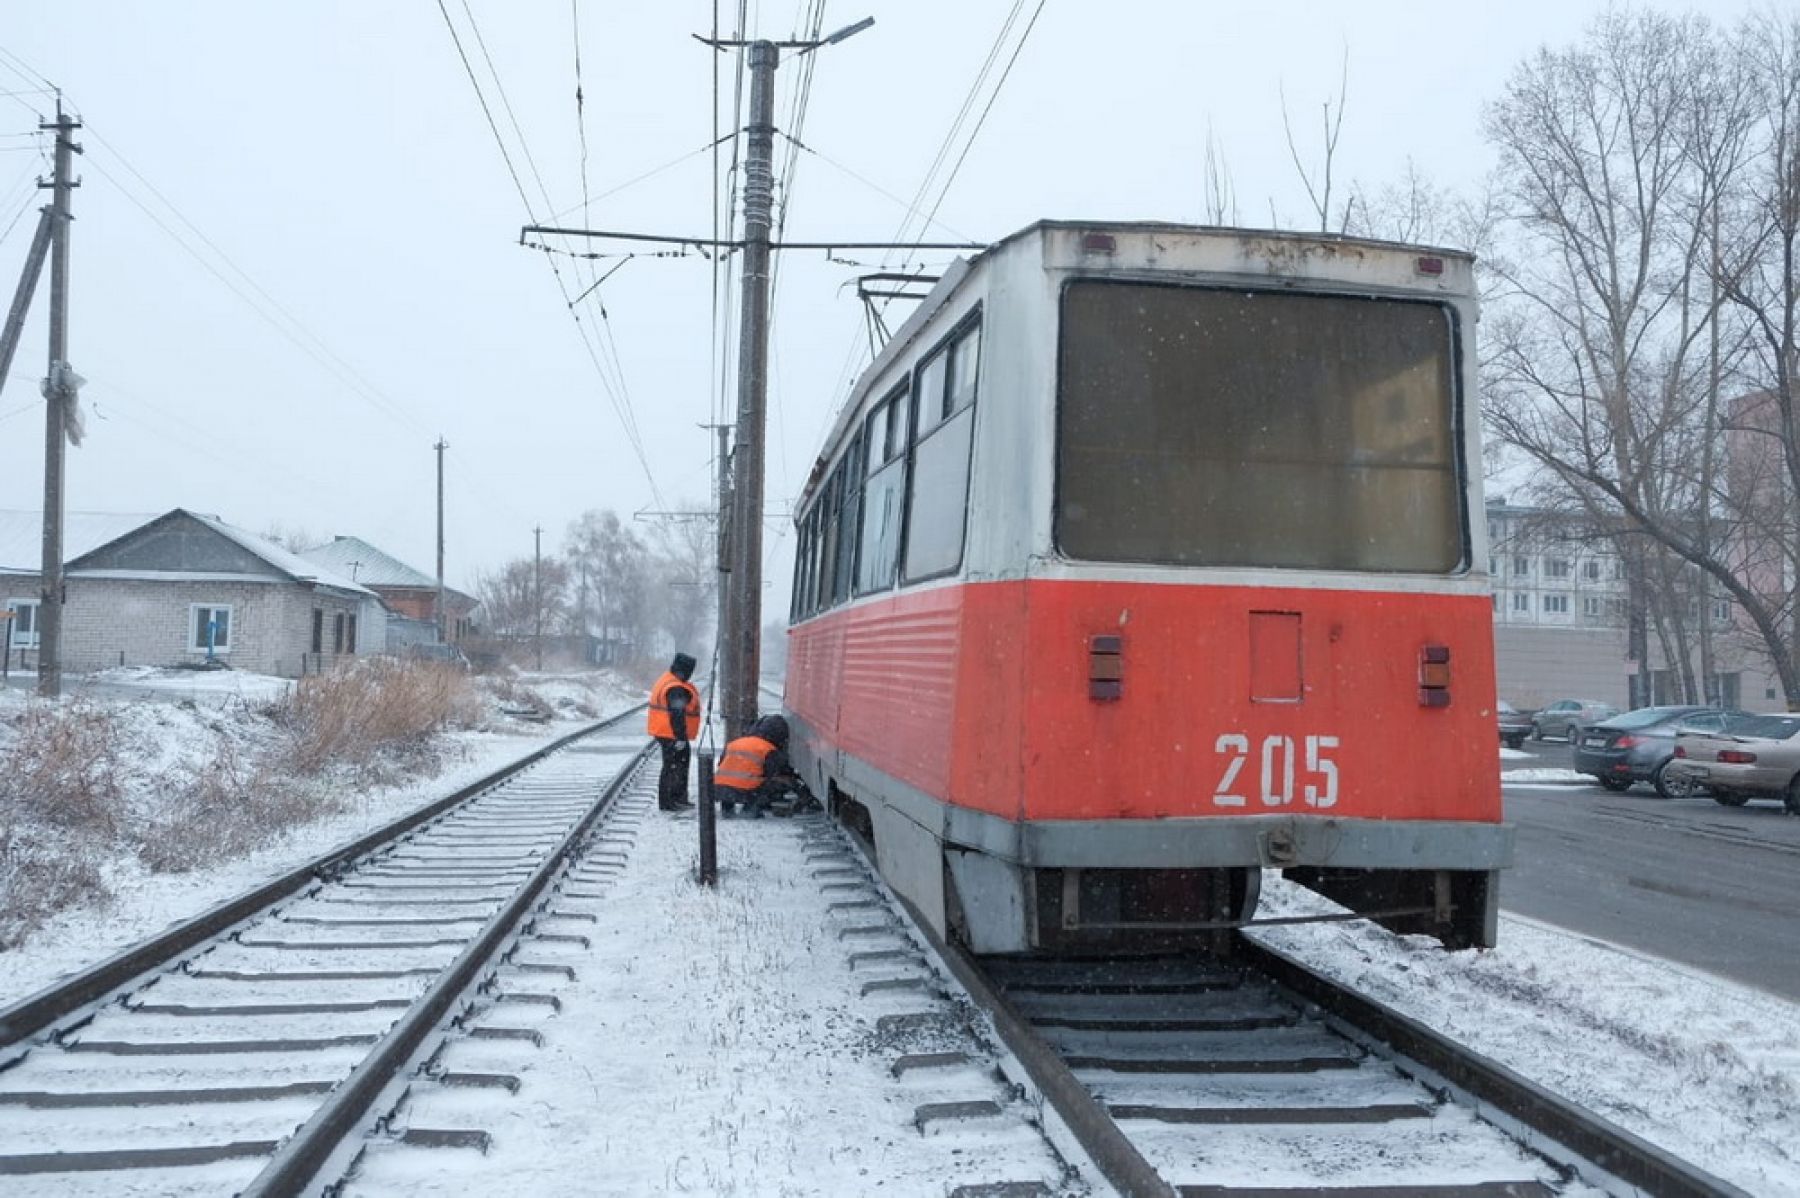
(225, 808)
(60, 802)
(376, 707)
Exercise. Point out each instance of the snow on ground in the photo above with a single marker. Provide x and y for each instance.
(1706, 1068)
(161, 735)
(198, 685)
(1507, 754)
(717, 1041)
(1560, 776)
(599, 692)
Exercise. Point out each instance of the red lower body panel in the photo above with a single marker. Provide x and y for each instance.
(1233, 700)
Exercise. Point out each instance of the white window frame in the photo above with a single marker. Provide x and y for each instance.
(1591, 607)
(22, 640)
(193, 627)
(1521, 602)
(1555, 604)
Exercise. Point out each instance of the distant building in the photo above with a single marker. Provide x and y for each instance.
(1560, 610)
(184, 588)
(410, 595)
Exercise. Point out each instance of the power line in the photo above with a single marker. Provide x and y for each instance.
(982, 119)
(620, 408)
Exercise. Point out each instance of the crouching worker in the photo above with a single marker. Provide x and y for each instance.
(755, 772)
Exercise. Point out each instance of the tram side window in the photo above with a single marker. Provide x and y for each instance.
(828, 531)
(939, 494)
(796, 603)
(850, 472)
(883, 495)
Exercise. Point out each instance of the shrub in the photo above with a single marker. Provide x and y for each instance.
(372, 707)
(224, 808)
(60, 801)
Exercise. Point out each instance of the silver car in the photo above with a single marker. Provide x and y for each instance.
(1759, 758)
(1566, 717)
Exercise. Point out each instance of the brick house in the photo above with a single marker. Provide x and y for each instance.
(179, 588)
(411, 595)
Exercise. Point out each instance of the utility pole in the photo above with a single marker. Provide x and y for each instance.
(442, 625)
(59, 396)
(537, 588)
(743, 622)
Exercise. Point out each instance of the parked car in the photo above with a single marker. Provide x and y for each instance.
(1638, 746)
(1515, 725)
(1754, 758)
(1564, 716)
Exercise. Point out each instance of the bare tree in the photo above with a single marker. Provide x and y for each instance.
(1220, 201)
(1318, 184)
(611, 573)
(511, 596)
(1632, 255)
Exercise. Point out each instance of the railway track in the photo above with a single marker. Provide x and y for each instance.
(1259, 1078)
(241, 1051)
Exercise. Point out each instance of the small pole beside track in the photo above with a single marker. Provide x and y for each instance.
(709, 844)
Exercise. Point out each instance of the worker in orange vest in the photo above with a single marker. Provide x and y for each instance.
(674, 717)
(755, 771)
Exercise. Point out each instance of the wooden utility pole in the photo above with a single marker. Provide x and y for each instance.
(537, 589)
(59, 397)
(443, 627)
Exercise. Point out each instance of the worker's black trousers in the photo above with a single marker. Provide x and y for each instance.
(672, 786)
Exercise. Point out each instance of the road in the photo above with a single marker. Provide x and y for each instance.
(1685, 879)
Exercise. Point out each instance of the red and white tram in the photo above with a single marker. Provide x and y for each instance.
(1145, 557)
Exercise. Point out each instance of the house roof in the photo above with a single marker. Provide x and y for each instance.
(292, 564)
(86, 534)
(355, 558)
(22, 535)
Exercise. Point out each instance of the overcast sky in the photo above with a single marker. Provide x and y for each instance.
(331, 161)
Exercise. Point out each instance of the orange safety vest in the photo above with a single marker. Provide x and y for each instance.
(742, 766)
(661, 726)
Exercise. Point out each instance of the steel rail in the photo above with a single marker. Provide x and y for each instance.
(1098, 1133)
(1625, 1156)
(62, 999)
(307, 1150)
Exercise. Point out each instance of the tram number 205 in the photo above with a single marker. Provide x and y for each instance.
(1303, 770)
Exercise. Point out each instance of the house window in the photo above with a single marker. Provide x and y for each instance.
(1521, 566)
(1556, 604)
(24, 623)
(1618, 571)
(318, 637)
(1496, 602)
(1590, 569)
(337, 633)
(1590, 606)
(1521, 601)
(209, 625)
(1493, 565)
(350, 634)
(1557, 567)
(1721, 610)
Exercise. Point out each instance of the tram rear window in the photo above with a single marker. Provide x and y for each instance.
(1232, 428)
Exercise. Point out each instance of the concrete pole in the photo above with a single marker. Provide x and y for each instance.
(743, 622)
(443, 627)
(55, 415)
(537, 590)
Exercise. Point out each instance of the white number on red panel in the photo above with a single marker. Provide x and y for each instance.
(1285, 773)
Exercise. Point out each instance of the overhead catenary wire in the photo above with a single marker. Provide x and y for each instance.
(627, 423)
(610, 350)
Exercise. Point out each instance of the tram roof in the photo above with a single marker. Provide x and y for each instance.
(960, 270)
